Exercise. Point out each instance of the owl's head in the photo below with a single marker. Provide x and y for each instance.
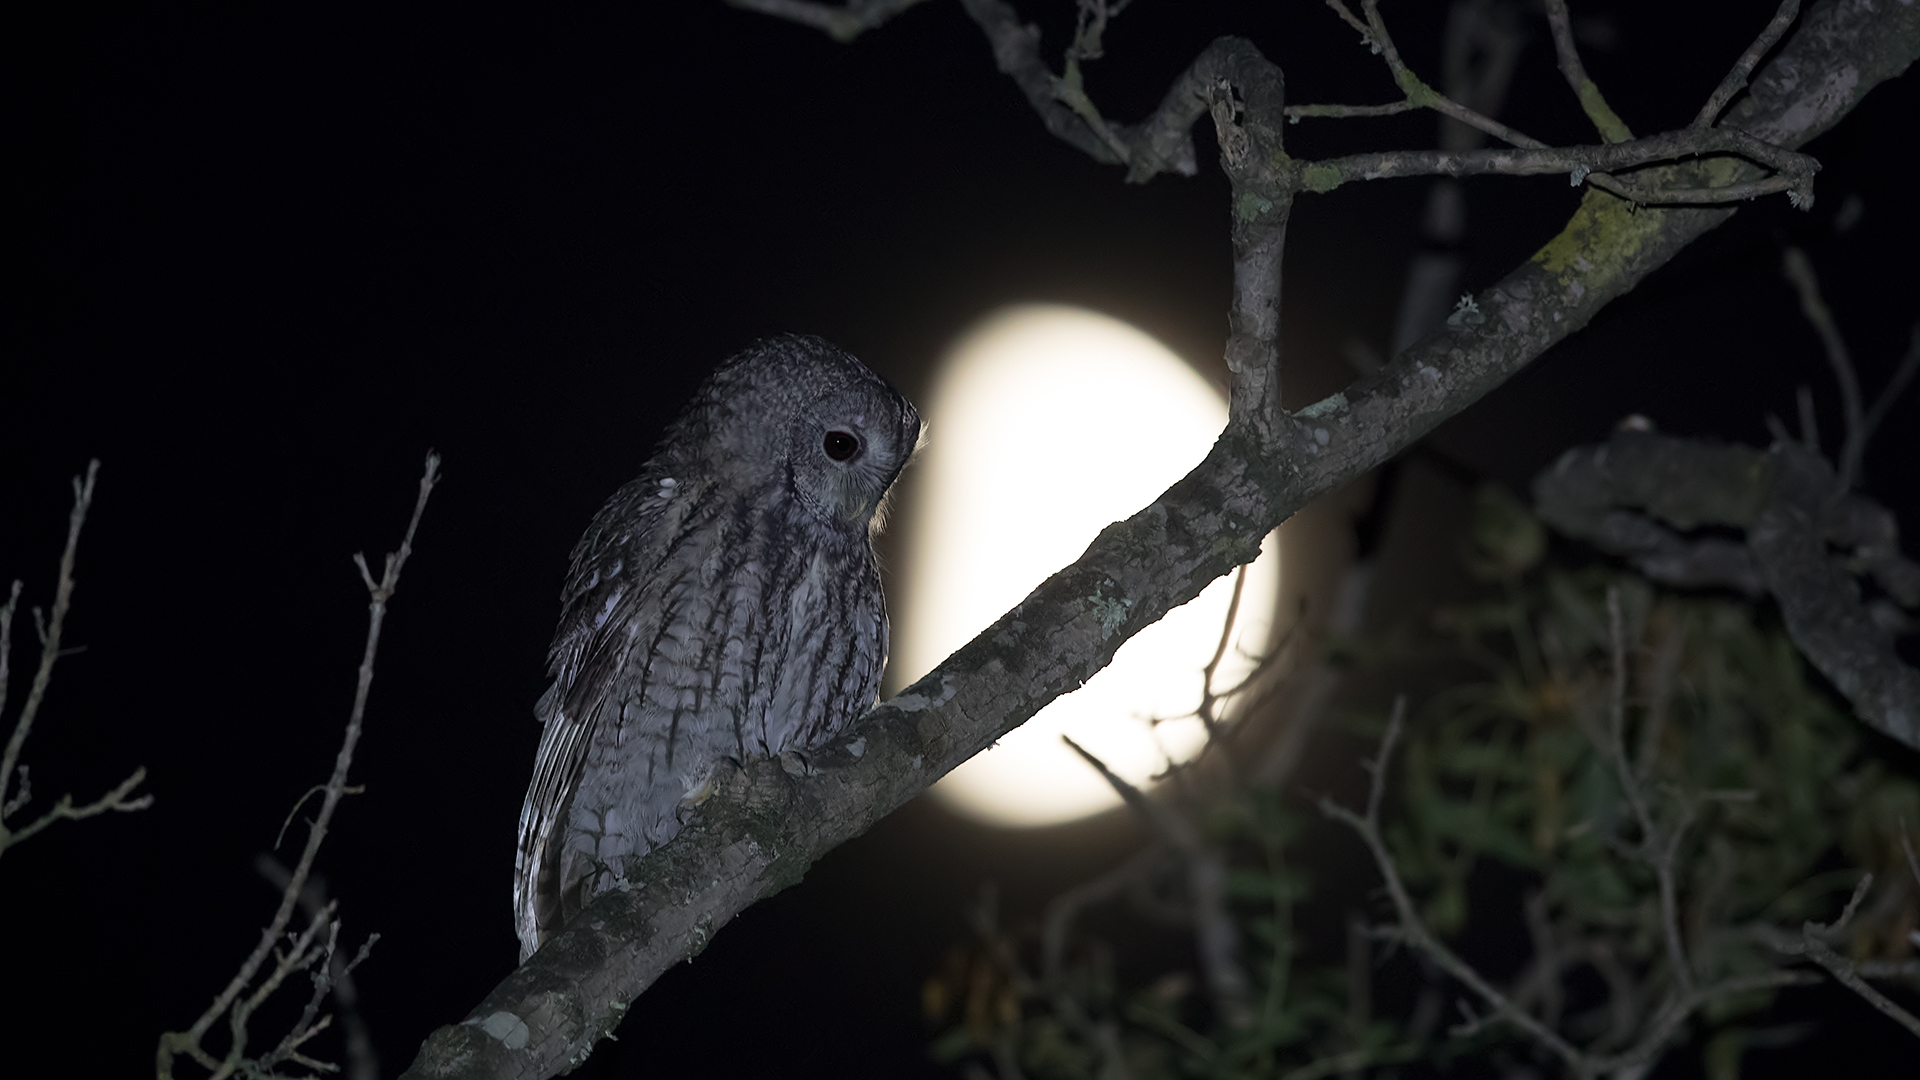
(839, 433)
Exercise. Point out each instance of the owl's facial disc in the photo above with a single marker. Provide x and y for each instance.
(844, 456)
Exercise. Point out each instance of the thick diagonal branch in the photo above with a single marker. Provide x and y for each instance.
(761, 833)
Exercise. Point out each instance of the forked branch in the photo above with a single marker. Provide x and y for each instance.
(121, 797)
(238, 1001)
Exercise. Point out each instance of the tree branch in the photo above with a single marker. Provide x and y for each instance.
(1592, 102)
(121, 797)
(1615, 496)
(1793, 172)
(1216, 936)
(1736, 79)
(1812, 946)
(1410, 927)
(303, 950)
(759, 834)
(842, 24)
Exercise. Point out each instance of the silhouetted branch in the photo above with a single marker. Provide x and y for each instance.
(1216, 936)
(50, 629)
(307, 948)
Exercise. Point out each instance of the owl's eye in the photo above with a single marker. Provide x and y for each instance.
(840, 445)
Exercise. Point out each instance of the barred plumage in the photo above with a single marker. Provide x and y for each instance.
(725, 604)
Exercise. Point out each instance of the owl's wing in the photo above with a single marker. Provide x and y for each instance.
(607, 590)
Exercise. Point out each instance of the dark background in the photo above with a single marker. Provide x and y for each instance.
(266, 258)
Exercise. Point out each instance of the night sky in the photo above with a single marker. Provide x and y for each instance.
(267, 258)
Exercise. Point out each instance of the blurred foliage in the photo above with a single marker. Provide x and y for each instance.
(1523, 755)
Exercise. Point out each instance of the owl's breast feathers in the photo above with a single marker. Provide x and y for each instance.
(699, 624)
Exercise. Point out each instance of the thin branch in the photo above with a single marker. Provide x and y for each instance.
(1413, 931)
(1373, 33)
(1843, 969)
(1592, 102)
(1216, 935)
(1794, 179)
(119, 800)
(1676, 1012)
(841, 23)
(120, 797)
(1736, 79)
(1793, 172)
(1411, 928)
(1902, 376)
(1658, 849)
(1296, 113)
(1813, 947)
(1806, 283)
(188, 1042)
(1016, 52)
(334, 979)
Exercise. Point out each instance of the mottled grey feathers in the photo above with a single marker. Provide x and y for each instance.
(725, 604)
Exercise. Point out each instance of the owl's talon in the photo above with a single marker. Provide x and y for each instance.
(795, 763)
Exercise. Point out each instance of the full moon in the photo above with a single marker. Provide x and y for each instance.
(1046, 424)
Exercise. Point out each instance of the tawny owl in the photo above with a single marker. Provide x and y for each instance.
(723, 605)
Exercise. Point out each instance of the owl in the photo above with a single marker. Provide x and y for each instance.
(724, 605)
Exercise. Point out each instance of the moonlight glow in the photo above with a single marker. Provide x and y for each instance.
(1047, 424)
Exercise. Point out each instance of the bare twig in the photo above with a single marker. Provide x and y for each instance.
(1659, 849)
(303, 951)
(841, 23)
(1799, 271)
(1605, 120)
(1373, 33)
(1479, 54)
(335, 979)
(1667, 1022)
(1209, 699)
(1813, 946)
(1216, 935)
(1057, 930)
(1897, 385)
(1793, 172)
(120, 798)
(1411, 928)
(1736, 79)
